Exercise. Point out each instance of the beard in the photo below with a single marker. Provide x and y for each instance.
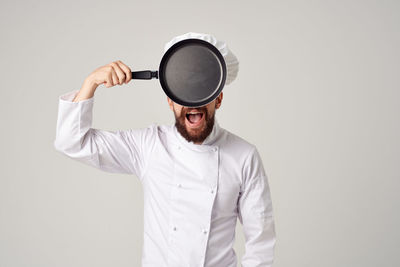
(195, 135)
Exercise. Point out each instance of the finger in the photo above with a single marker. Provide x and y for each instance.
(126, 69)
(114, 77)
(119, 72)
(108, 81)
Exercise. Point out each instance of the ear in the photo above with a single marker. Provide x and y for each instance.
(218, 100)
(170, 103)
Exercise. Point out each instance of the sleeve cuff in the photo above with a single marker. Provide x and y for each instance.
(74, 118)
(68, 97)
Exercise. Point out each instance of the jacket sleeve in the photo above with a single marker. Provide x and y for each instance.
(256, 215)
(119, 151)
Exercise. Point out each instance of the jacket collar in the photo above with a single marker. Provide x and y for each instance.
(208, 143)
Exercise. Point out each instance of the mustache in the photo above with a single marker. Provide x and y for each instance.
(186, 110)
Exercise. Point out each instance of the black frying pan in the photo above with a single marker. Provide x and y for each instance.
(192, 73)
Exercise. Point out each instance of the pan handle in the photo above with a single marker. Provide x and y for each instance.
(145, 74)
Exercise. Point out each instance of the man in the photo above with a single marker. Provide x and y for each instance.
(197, 177)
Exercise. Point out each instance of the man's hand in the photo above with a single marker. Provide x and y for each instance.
(111, 74)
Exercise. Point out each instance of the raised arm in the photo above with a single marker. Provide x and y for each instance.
(111, 151)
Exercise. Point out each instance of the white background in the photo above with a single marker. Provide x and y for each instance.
(317, 93)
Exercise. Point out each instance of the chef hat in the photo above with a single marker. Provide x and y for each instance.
(232, 64)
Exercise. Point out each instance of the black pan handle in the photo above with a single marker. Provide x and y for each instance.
(145, 74)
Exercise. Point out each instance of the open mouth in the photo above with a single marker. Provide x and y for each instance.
(194, 118)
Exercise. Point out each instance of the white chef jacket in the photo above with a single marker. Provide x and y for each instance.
(193, 194)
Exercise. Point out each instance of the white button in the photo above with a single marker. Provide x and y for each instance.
(205, 231)
(174, 228)
(215, 149)
(212, 191)
(179, 185)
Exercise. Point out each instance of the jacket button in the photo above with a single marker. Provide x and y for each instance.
(212, 191)
(205, 231)
(179, 185)
(174, 228)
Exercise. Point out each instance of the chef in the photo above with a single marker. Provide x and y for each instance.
(197, 177)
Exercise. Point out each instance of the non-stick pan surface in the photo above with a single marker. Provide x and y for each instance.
(192, 72)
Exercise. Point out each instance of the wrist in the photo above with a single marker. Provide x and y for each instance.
(90, 84)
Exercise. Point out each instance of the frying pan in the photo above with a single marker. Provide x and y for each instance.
(192, 72)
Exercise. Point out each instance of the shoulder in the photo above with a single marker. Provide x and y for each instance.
(150, 130)
(149, 135)
(244, 152)
(236, 144)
